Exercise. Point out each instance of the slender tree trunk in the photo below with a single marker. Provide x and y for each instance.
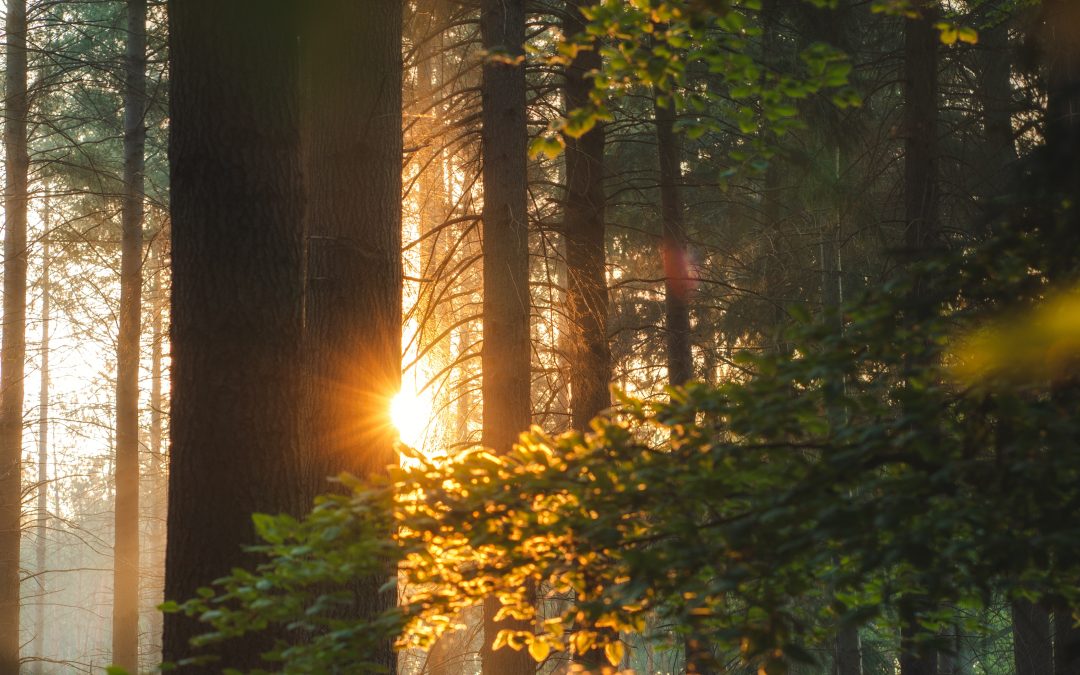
(1032, 647)
(677, 284)
(237, 293)
(125, 633)
(13, 349)
(351, 60)
(157, 477)
(505, 359)
(43, 448)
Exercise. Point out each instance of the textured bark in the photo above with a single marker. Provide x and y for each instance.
(43, 449)
(13, 349)
(588, 351)
(351, 56)
(125, 632)
(586, 260)
(505, 356)
(237, 289)
(1033, 650)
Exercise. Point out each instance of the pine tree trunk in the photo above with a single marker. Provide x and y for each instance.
(156, 562)
(586, 260)
(589, 355)
(351, 59)
(125, 633)
(13, 349)
(677, 284)
(505, 359)
(1032, 646)
(43, 448)
(237, 293)
(920, 213)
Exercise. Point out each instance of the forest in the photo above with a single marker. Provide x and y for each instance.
(539, 337)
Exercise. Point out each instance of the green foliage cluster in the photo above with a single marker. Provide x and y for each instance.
(852, 478)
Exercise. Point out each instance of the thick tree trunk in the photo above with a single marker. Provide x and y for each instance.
(589, 355)
(351, 56)
(237, 293)
(505, 359)
(1033, 650)
(43, 448)
(125, 633)
(13, 349)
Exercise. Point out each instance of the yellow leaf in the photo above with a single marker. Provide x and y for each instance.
(539, 650)
(614, 652)
(968, 35)
(582, 641)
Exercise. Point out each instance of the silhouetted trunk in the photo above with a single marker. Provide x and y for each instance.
(994, 89)
(677, 284)
(125, 632)
(13, 349)
(351, 59)
(237, 289)
(920, 214)
(43, 448)
(1032, 648)
(505, 359)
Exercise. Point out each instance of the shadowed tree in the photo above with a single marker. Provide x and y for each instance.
(13, 349)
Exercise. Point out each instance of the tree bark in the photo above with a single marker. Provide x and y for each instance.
(677, 284)
(1032, 646)
(505, 359)
(158, 479)
(43, 448)
(13, 348)
(125, 633)
(351, 60)
(589, 355)
(586, 260)
(237, 294)
(920, 213)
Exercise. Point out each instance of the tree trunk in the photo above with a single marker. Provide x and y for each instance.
(43, 449)
(920, 213)
(1032, 647)
(586, 281)
(158, 495)
(505, 359)
(125, 633)
(351, 56)
(677, 284)
(13, 349)
(589, 355)
(237, 293)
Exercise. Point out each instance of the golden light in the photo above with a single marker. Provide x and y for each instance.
(410, 414)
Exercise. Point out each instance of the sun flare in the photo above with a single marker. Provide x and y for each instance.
(410, 414)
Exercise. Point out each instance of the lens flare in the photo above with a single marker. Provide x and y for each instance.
(410, 414)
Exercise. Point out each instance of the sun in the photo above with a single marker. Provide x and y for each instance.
(410, 414)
